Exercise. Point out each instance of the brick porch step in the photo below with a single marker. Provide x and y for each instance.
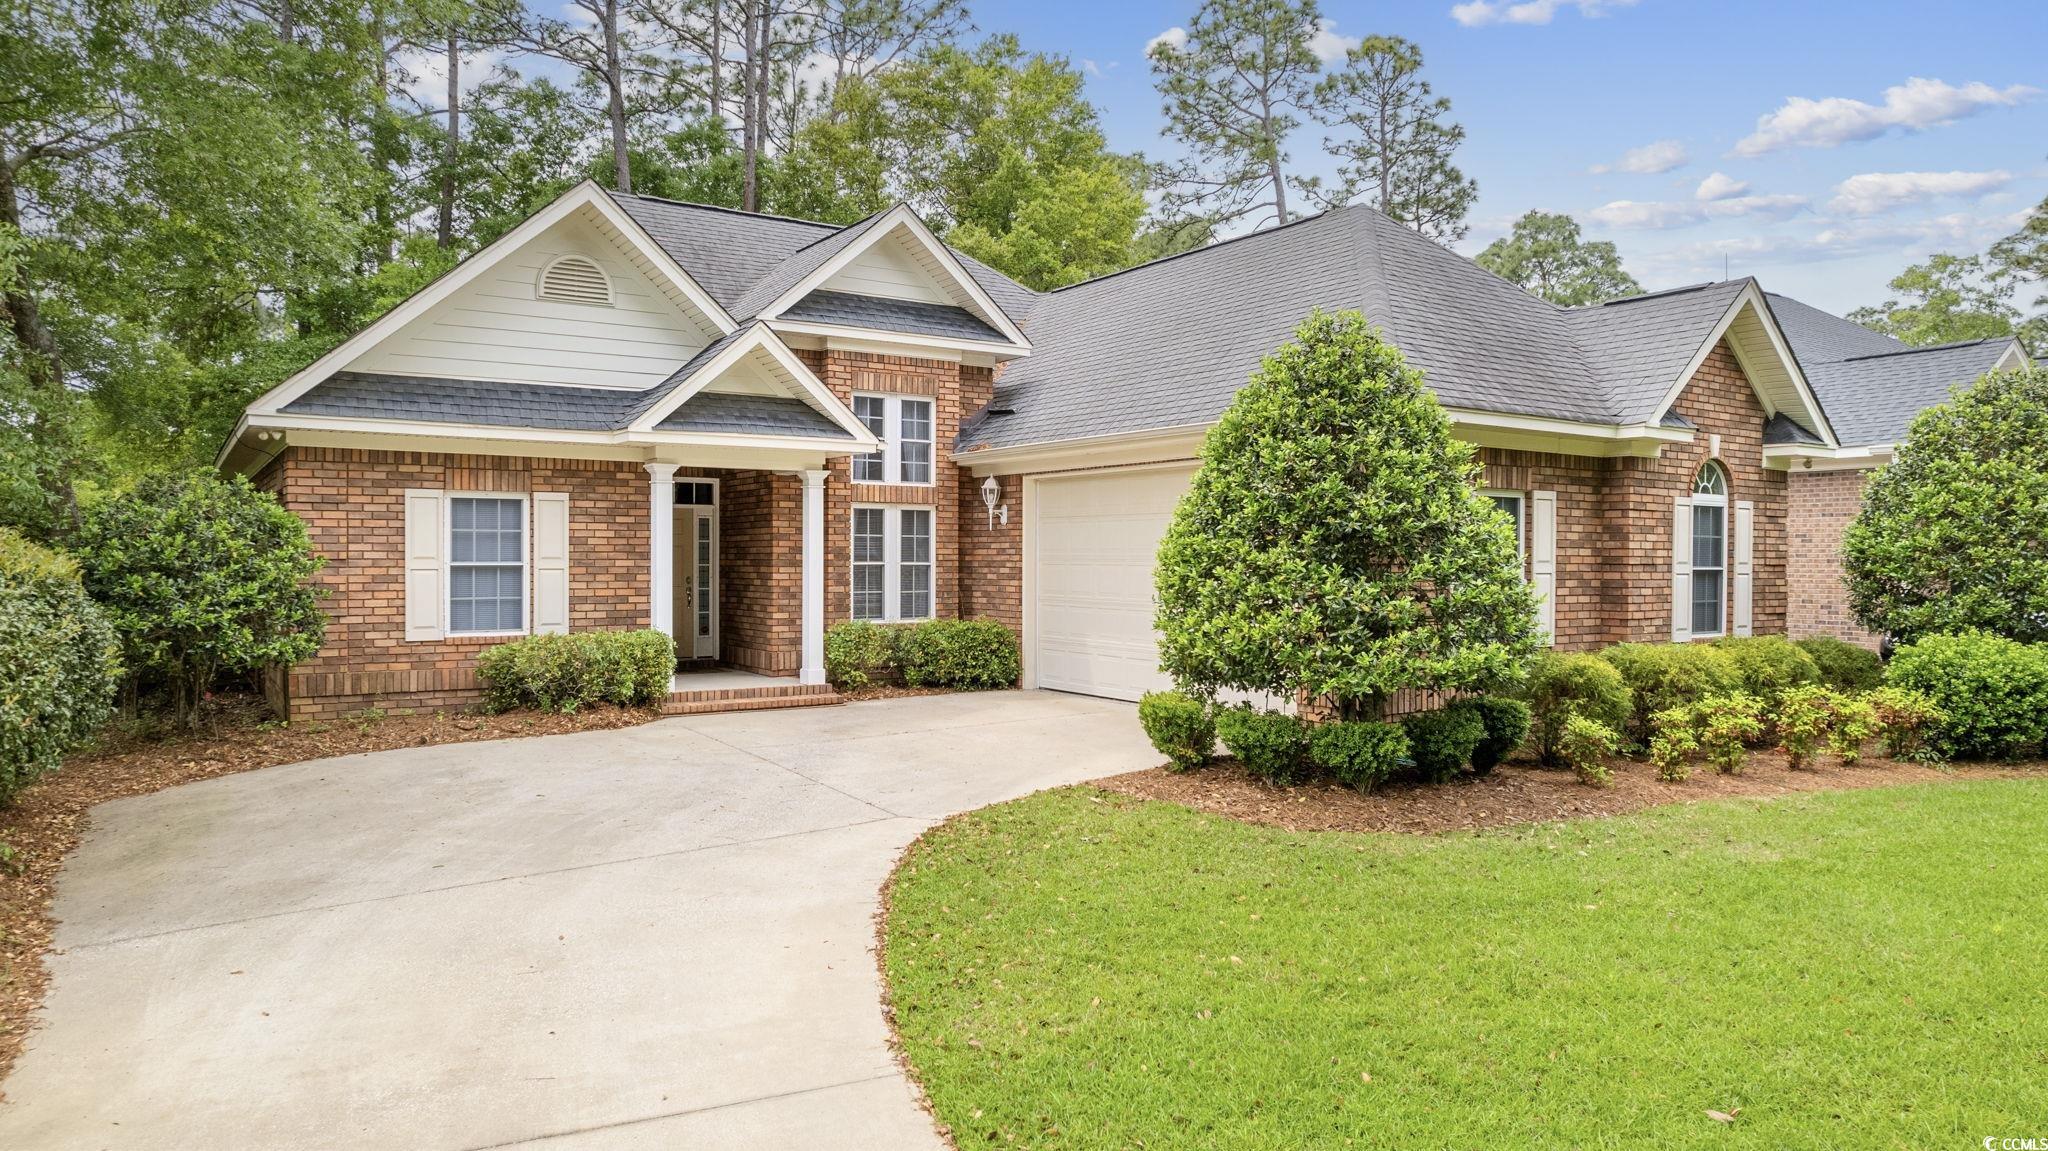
(707, 700)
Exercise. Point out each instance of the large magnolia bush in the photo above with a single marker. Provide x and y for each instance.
(1954, 536)
(60, 657)
(1333, 542)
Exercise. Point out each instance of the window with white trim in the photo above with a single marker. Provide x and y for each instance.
(892, 563)
(1513, 504)
(486, 565)
(1709, 550)
(904, 425)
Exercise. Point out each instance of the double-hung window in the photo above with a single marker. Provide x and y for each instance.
(892, 563)
(904, 425)
(486, 564)
(1709, 550)
(1511, 503)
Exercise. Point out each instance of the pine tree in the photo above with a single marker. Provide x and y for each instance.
(1401, 155)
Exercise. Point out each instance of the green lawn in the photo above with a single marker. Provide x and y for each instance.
(1854, 969)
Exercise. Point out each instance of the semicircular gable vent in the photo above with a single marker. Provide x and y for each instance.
(575, 280)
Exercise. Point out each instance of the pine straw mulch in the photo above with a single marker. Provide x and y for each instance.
(1513, 793)
(48, 818)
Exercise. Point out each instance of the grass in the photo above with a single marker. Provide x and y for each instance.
(1870, 969)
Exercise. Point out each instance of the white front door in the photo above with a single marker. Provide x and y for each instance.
(696, 583)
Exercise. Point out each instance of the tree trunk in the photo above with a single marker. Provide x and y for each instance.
(717, 62)
(1383, 146)
(750, 138)
(24, 314)
(287, 22)
(445, 231)
(615, 80)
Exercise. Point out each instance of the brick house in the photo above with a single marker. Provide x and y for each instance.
(739, 429)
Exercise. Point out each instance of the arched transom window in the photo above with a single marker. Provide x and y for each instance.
(1709, 550)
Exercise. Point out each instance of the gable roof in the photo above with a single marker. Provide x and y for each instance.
(1873, 385)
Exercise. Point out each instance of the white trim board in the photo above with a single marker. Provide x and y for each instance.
(1751, 299)
(757, 339)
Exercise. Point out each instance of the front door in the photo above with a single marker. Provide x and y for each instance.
(696, 582)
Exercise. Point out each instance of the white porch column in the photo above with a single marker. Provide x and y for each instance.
(661, 557)
(814, 579)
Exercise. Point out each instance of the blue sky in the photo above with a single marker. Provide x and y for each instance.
(1926, 136)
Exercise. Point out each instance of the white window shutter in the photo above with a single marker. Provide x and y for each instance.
(550, 561)
(1745, 541)
(1543, 559)
(426, 538)
(1681, 571)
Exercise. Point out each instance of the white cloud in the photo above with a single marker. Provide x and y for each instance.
(1478, 13)
(1874, 192)
(1901, 241)
(423, 76)
(1648, 160)
(1720, 187)
(1175, 38)
(1090, 67)
(1328, 46)
(1916, 105)
(1662, 214)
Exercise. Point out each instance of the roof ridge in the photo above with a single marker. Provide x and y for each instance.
(1656, 295)
(1925, 348)
(1253, 234)
(730, 211)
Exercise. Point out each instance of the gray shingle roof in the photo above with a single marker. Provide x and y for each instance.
(1783, 429)
(725, 251)
(798, 264)
(910, 316)
(1638, 347)
(755, 415)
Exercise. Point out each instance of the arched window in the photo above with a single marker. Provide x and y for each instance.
(575, 280)
(1709, 550)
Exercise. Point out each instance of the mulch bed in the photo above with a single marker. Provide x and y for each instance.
(48, 818)
(1513, 793)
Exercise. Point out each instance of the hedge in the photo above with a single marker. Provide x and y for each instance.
(1843, 666)
(1564, 684)
(1992, 693)
(1667, 675)
(972, 654)
(567, 672)
(62, 658)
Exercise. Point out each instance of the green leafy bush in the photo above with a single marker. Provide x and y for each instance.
(1584, 747)
(1992, 693)
(1673, 740)
(61, 657)
(973, 654)
(1179, 726)
(567, 672)
(1726, 725)
(1333, 542)
(1506, 723)
(1441, 741)
(1843, 666)
(1360, 753)
(857, 653)
(1666, 675)
(1808, 718)
(1953, 536)
(1768, 664)
(1904, 720)
(1564, 684)
(202, 575)
(1270, 744)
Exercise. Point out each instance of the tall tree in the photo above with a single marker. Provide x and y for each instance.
(2022, 259)
(1401, 153)
(605, 48)
(1233, 91)
(1545, 255)
(1946, 299)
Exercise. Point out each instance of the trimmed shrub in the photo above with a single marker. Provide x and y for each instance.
(1564, 684)
(1666, 675)
(1768, 664)
(62, 660)
(1441, 741)
(567, 672)
(1179, 726)
(1672, 740)
(1843, 666)
(1992, 692)
(202, 575)
(1807, 719)
(1585, 746)
(973, 654)
(1725, 726)
(858, 652)
(1361, 754)
(1270, 744)
(1904, 720)
(1506, 723)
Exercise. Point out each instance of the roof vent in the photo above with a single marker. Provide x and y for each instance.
(575, 280)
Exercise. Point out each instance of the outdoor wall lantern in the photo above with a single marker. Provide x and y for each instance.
(991, 491)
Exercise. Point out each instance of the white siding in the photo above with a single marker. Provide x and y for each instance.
(496, 328)
(889, 270)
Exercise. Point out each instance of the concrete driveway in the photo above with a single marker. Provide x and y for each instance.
(656, 937)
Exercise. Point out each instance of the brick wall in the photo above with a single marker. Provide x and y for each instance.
(761, 546)
(1820, 506)
(353, 503)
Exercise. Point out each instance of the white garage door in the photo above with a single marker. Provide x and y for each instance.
(1094, 540)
